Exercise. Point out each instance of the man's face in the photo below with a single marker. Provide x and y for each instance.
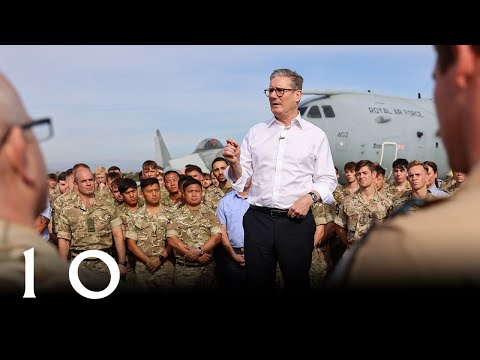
(131, 196)
(350, 176)
(171, 183)
(193, 195)
(287, 103)
(206, 181)
(62, 186)
(151, 193)
(85, 181)
(417, 177)
(214, 179)
(450, 106)
(459, 176)
(431, 176)
(100, 178)
(400, 175)
(365, 177)
(196, 175)
(116, 193)
(51, 183)
(150, 172)
(380, 181)
(218, 169)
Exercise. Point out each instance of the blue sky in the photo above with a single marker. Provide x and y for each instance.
(106, 102)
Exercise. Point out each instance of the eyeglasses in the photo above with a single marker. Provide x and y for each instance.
(278, 91)
(42, 129)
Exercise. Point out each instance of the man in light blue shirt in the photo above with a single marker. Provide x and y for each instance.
(43, 221)
(432, 181)
(230, 211)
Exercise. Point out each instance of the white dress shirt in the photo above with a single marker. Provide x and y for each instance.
(286, 163)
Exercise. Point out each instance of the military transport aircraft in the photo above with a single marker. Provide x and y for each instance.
(381, 128)
(359, 125)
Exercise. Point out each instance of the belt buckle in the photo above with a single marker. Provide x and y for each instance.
(276, 213)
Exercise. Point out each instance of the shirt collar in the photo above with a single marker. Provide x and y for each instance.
(298, 121)
(236, 194)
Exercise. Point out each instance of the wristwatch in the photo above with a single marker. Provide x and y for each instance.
(123, 263)
(314, 196)
(200, 251)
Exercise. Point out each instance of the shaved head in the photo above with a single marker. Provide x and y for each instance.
(12, 110)
(22, 167)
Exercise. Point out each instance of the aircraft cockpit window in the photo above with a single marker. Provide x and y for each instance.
(314, 112)
(302, 110)
(328, 110)
(208, 144)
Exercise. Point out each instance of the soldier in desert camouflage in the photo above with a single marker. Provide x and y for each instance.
(193, 233)
(363, 208)
(146, 239)
(87, 223)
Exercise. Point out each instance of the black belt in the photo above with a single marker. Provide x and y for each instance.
(273, 212)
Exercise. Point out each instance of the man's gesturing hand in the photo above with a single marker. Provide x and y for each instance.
(231, 151)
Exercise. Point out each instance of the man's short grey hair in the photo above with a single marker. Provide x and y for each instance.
(296, 79)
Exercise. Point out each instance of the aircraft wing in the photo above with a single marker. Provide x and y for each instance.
(205, 152)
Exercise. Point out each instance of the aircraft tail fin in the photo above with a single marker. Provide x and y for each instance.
(162, 156)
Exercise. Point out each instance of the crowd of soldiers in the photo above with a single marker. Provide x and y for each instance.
(165, 234)
(162, 234)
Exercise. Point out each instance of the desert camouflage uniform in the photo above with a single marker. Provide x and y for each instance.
(149, 232)
(57, 207)
(50, 271)
(104, 194)
(449, 185)
(211, 197)
(73, 226)
(53, 195)
(227, 188)
(388, 193)
(358, 217)
(124, 213)
(399, 201)
(337, 193)
(393, 189)
(166, 201)
(321, 262)
(194, 228)
(163, 190)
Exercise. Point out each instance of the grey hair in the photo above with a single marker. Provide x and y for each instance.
(296, 79)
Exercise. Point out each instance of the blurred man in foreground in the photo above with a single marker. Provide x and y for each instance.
(439, 245)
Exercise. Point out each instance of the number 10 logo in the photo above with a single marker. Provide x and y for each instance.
(73, 274)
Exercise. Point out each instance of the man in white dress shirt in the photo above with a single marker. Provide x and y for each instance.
(291, 166)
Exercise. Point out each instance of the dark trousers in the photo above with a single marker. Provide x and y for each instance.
(235, 276)
(270, 239)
